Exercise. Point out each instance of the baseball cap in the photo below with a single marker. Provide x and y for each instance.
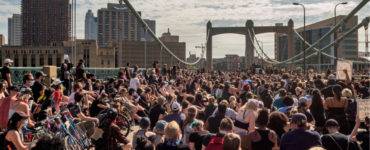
(7, 61)
(39, 74)
(144, 122)
(175, 106)
(299, 119)
(159, 126)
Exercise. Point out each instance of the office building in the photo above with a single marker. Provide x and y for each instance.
(45, 22)
(116, 23)
(15, 30)
(133, 52)
(2, 40)
(91, 26)
(347, 48)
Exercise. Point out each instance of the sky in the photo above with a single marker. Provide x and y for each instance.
(188, 18)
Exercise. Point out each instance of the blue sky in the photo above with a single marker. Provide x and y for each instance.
(187, 18)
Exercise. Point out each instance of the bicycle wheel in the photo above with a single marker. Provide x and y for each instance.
(71, 143)
(124, 124)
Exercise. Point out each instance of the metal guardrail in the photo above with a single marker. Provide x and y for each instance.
(100, 73)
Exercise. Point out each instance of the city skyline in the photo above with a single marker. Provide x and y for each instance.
(188, 18)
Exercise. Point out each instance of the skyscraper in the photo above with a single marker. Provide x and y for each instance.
(116, 23)
(91, 26)
(146, 36)
(45, 21)
(15, 30)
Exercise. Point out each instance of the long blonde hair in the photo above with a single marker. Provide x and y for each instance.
(172, 130)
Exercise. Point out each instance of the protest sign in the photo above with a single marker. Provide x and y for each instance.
(363, 108)
(344, 65)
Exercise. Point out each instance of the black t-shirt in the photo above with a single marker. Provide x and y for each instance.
(197, 139)
(74, 109)
(154, 114)
(95, 109)
(5, 70)
(363, 137)
(80, 73)
(337, 141)
(36, 88)
(214, 123)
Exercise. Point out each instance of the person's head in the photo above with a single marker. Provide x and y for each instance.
(8, 62)
(278, 121)
(226, 125)
(47, 143)
(232, 141)
(252, 105)
(160, 127)
(144, 144)
(288, 101)
(17, 120)
(175, 107)
(197, 126)
(172, 131)
(77, 87)
(192, 112)
(263, 118)
(144, 123)
(221, 108)
(299, 120)
(28, 79)
(298, 91)
(39, 76)
(108, 118)
(13, 91)
(347, 93)
(282, 93)
(332, 125)
(337, 92)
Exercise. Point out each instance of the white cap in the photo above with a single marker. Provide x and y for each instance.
(175, 106)
(7, 61)
(56, 82)
(331, 77)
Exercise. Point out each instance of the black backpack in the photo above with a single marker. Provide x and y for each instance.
(2, 141)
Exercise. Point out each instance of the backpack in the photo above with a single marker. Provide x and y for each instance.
(216, 143)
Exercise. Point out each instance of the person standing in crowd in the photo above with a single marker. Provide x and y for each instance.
(7, 106)
(299, 137)
(197, 136)
(66, 76)
(262, 138)
(172, 137)
(134, 82)
(6, 74)
(278, 122)
(317, 110)
(216, 141)
(335, 108)
(278, 102)
(13, 136)
(159, 132)
(80, 70)
(232, 141)
(175, 114)
(38, 85)
(158, 111)
(245, 120)
(213, 122)
(336, 140)
(143, 132)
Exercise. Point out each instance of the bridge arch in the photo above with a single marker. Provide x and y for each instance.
(249, 48)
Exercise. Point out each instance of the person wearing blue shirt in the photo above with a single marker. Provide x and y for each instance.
(299, 138)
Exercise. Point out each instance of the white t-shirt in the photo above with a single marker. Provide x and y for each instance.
(134, 83)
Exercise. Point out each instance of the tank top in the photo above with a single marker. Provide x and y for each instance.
(264, 143)
(8, 144)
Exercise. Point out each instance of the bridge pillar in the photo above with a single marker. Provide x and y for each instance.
(290, 39)
(209, 63)
(249, 48)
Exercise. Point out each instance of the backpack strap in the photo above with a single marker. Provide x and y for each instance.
(337, 143)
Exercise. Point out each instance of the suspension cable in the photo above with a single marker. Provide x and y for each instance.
(252, 41)
(259, 46)
(136, 14)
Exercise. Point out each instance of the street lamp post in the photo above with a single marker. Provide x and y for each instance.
(335, 33)
(304, 36)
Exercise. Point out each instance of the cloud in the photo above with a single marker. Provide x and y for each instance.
(188, 18)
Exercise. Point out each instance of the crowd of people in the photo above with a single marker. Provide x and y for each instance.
(178, 109)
